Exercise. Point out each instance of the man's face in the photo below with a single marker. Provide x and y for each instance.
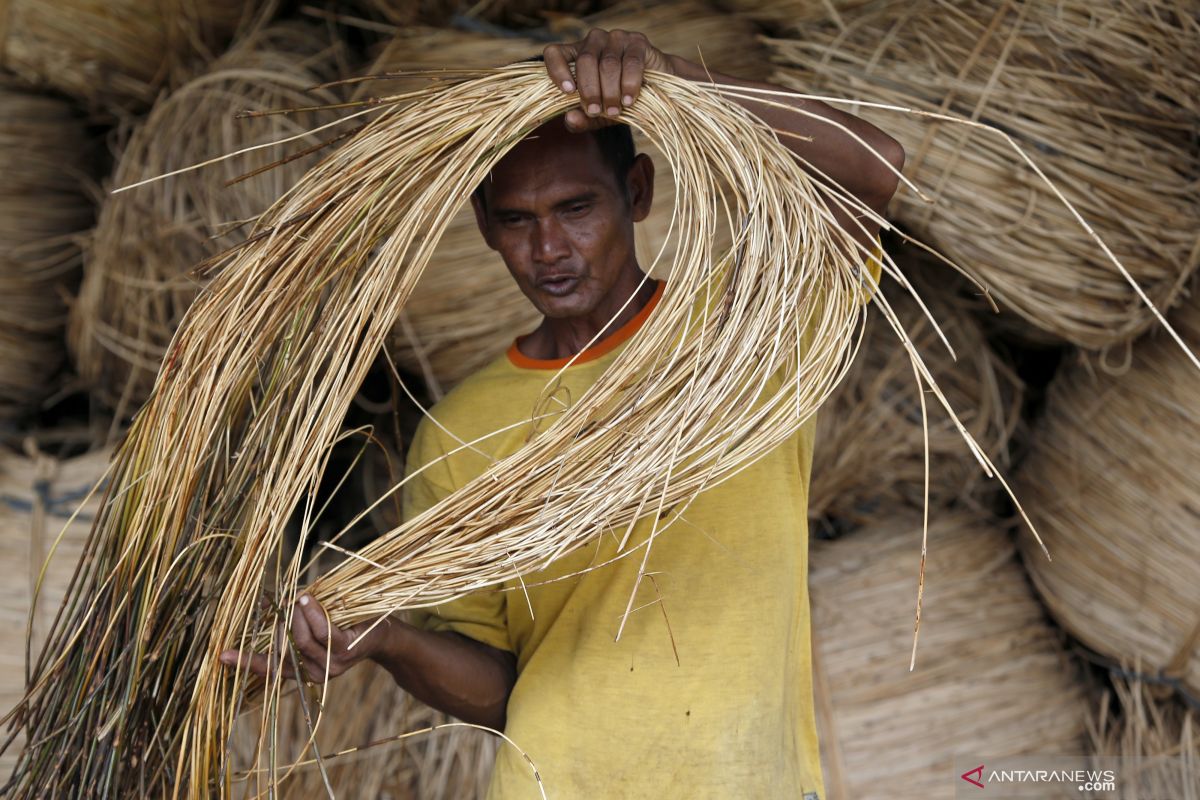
(564, 226)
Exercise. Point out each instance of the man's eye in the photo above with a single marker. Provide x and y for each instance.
(578, 208)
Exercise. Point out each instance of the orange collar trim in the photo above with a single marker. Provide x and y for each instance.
(604, 346)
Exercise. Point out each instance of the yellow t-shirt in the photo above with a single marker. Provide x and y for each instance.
(708, 692)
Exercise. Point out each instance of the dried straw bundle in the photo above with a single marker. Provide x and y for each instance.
(38, 497)
(114, 54)
(688, 28)
(870, 446)
(360, 753)
(268, 359)
(1146, 47)
(136, 284)
(1110, 482)
(792, 15)
(1128, 171)
(507, 13)
(991, 676)
(1133, 721)
(44, 158)
(467, 309)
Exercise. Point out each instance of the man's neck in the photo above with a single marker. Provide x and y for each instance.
(563, 338)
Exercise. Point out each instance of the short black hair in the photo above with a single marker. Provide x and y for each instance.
(616, 148)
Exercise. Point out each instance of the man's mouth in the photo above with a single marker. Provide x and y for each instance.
(558, 285)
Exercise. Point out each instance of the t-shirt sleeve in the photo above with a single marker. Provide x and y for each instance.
(873, 270)
(481, 615)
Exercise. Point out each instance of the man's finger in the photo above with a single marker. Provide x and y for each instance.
(610, 66)
(318, 622)
(587, 73)
(633, 71)
(558, 58)
(302, 634)
(244, 661)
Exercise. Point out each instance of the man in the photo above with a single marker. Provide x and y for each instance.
(707, 692)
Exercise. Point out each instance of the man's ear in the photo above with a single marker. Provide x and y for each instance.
(639, 183)
(481, 220)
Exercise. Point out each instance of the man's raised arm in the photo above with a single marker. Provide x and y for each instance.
(848, 151)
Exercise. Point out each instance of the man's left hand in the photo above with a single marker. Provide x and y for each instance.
(609, 67)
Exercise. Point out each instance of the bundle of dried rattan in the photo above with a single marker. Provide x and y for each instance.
(391, 746)
(1160, 735)
(41, 523)
(44, 160)
(261, 372)
(113, 54)
(506, 13)
(1148, 48)
(991, 675)
(1110, 481)
(871, 437)
(792, 15)
(1127, 169)
(467, 309)
(136, 279)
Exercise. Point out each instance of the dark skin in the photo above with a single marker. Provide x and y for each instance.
(563, 223)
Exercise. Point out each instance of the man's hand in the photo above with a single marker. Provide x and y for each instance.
(450, 672)
(322, 648)
(609, 66)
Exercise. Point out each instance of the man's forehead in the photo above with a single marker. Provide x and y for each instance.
(548, 153)
(551, 138)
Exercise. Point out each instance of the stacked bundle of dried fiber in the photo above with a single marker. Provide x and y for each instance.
(392, 746)
(1146, 47)
(991, 676)
(870, 446)
(44, 161)
(1110, 482)
(792, 15)
(38, 496)
(1126, 169)
(467, 309)
(506, 13)
(261, 373)
(136, 279)
(113, 54)
(1134, 721)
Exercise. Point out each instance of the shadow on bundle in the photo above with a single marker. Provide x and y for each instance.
(792, 16)
(478, 13)
(115, 55)
(1110, 482)
(1133, 721)
(45, 159)
(259, 376)
(137, 283)
(871, 438)
(1129, 171)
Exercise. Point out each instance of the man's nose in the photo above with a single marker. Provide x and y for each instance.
(550, 244)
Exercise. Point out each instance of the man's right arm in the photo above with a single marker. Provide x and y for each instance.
(451, 672)
(467, 679)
